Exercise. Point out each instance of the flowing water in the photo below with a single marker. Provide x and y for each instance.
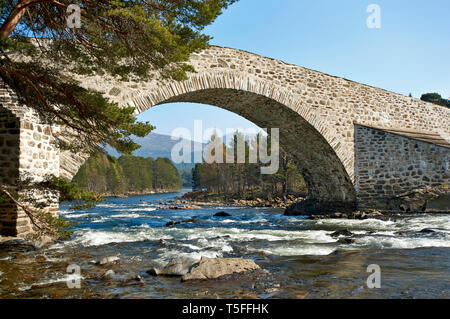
(304, 261)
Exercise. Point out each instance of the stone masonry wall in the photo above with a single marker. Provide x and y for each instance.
(388, 165)
(27, 154)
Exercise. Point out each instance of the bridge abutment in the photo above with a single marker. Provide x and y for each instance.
(391, 163)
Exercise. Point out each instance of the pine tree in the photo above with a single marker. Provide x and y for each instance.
(120, 38)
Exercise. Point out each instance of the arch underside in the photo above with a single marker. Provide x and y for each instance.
(323, 171)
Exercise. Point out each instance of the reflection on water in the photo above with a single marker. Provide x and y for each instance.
(303, 258)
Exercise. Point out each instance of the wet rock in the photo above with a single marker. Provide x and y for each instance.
(222, 214)
(43, 242)
(177, 267)
(312, 206)
(193, 207)
(190, 221)
(428, 199)
(108, 260)
(214, 268)
(183, 207)
(17, 245)
(41, 259)
(139, 279)
(171, 208)
(403, 233)
(343, 232)
(186, 221)
(346, 241)
(301, 294)
(172, 223)
(108, 274)
(267, 204)
(271, 290)
(427, 231)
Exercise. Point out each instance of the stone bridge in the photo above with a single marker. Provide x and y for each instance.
(357, 146)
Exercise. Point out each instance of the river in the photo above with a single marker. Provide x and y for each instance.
(304, 261)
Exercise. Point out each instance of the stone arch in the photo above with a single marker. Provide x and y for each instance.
(302, 133)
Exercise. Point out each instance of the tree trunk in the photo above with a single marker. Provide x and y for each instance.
(18, 12)
(14, 17)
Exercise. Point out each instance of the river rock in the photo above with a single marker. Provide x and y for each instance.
(190, 221)
(427, 231)
(213, 268)
(312, 206)
(222, 214)
(424, 200)
(172, 223)
(186, 221)
(346, 241)
(193, 207)
(109, 260)
(16, 245)
(343, 232)
(108, 274)
(177, 267)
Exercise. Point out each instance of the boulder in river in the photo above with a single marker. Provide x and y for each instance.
(222, 214)
(206, 268)
(190, 221)
(343, 232)
(186, 221)
(107, 260)
(427, 231)
(214, 268)
(346, 241)
(177, 267)
(172, 223)
(108, 274)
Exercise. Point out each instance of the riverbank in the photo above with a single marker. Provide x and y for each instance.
(435, 201)
(138, 193)
(201, 198)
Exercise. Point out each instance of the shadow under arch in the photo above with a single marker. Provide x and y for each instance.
(328, 182)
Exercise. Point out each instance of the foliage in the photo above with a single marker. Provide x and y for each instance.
(119, 38)
(107, 175)
(186, 177)
(244, 180)
(70, 192)
(436, 99)
(166, 175)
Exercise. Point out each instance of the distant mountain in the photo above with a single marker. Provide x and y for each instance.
(156, 145)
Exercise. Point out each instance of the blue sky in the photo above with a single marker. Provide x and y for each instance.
(410, 53)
